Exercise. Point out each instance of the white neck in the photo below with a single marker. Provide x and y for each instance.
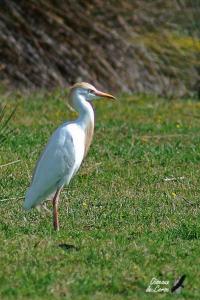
(84, 108)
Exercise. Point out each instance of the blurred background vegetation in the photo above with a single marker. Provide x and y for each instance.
(148, 46)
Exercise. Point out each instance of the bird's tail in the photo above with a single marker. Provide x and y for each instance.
(30, 200)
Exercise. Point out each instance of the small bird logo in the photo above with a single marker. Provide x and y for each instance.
(178, 284)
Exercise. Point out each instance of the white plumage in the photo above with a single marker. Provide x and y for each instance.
(65, 150)
(57, 164)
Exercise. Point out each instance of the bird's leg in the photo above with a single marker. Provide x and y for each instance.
(55, 210)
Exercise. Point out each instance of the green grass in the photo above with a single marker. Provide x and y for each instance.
(128, 222)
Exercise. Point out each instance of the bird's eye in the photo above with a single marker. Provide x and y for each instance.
(90, 91)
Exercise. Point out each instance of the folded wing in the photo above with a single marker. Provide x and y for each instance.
(54, 168)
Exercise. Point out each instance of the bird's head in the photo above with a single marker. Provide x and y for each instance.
(89, 92)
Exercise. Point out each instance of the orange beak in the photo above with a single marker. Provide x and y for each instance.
(105, 95)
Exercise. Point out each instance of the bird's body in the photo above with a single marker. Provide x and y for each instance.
(59, 161)
(65, 151)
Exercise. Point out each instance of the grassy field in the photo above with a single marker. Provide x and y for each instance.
(131, 213)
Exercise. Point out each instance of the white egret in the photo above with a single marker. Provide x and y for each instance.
(65, 150)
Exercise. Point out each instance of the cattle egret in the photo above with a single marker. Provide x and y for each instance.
(65, 150)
